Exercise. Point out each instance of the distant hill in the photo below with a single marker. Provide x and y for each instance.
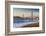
(18, 17)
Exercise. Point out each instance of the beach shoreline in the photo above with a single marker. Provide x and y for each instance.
(32, 25)
(28, 25)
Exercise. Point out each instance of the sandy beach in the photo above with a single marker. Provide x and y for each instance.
(32, 25)
(27, 25)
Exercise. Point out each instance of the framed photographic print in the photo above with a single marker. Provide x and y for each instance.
(24, 17)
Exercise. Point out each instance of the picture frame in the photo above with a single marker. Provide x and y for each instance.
(18, 7)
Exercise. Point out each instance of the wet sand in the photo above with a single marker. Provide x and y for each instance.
(32, 25)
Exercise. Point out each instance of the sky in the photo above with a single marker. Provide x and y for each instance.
(25, 11)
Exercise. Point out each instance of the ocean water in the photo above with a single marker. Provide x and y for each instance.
(23, 21)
